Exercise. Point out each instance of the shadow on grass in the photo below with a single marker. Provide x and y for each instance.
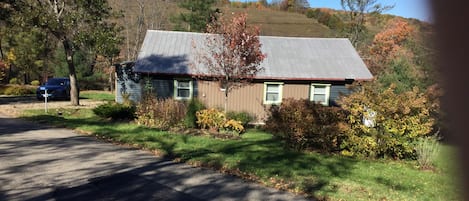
(257, 157)
(60, 121)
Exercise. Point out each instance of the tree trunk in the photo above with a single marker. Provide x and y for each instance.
(226, 99)
(74, 97)
(111, 75)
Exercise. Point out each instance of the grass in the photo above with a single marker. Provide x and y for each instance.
(281, 23)
(97, 95)
(260, 157)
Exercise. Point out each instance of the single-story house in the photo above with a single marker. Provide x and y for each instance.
(310, 68)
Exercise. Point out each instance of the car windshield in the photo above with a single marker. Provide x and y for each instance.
(55, 82)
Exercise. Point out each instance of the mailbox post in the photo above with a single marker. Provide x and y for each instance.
(45, 95)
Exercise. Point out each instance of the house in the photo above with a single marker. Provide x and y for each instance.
(311, 68)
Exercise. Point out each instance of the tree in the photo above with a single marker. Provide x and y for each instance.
(31, 49)
(200, 14)
(137, 17)
(263, 3)
(103, 43)
(302, 4)
(294, 4)
(388, 43)
(231, 53)
(357, 11)
(68, 22)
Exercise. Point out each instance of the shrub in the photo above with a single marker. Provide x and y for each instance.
(18, 90)
(427, 149)
(312, 13)
(115, 111)
(306, 125)
(399, 121)
(211, 118)
(160, 113)
(97, 81)
(243, 117)
(35, 83)
(14, 81)
(233, 126)
(190, 120)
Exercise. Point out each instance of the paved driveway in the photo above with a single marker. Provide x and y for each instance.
(41, 163)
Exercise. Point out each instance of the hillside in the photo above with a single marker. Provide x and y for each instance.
(160, 14)
(280, 23)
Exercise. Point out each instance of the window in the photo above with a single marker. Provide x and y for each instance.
(320, 93)
(182, 89)
(273, 92)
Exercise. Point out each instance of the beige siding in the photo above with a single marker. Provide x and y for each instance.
(248, 98)
(296, 91)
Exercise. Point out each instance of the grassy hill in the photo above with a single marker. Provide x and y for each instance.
(281, 23)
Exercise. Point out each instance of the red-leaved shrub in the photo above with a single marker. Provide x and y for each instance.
(305, 125)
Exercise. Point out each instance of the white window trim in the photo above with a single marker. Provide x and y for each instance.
(328, 92)
(280, 93)
(191, 89)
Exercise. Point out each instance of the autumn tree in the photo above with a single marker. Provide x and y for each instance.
(388, 43)
(68, 22)
(357, 10)
(231, 54)
(293, 4)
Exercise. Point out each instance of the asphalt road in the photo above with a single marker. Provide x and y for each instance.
(42, 163)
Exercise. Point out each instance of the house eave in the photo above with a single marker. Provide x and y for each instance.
(258, 77)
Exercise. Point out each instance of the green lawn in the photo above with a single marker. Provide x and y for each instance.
(258, 156)
(97, 95)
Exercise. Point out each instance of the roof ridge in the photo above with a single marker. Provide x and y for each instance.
(261, 36)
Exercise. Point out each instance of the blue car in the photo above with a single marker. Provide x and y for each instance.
(57, 88)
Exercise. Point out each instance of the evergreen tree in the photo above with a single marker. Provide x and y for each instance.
(200, 14)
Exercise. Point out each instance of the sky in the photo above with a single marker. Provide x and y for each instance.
(419, 9)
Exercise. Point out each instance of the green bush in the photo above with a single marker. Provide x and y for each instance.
(305, 125)
(19, 90)
(115, 111)
(190, 120)
(14, 81)
(312, 13)
(160, 113)
(243, 117)
(35, 83)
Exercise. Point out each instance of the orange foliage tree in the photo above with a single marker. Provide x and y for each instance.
(388, 43)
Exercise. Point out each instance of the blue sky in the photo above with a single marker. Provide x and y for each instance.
(419, 9)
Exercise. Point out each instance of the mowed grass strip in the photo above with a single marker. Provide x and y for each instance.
(260, 157)
(97, 95)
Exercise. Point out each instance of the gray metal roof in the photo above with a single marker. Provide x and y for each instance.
(288, 58)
